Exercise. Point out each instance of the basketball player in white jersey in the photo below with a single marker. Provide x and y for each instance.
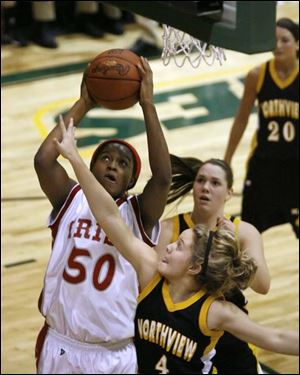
(90, 291)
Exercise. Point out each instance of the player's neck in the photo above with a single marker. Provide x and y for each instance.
(208, 219)
(183, 289)
(285, 68)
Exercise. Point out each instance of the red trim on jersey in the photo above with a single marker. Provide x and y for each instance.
(55, 224)
(39, 344)
(121, 200)
(136, 209)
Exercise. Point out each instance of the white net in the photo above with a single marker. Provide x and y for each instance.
(180, 46)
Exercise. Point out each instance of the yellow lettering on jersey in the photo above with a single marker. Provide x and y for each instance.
(288, 108)
(264, 108)
(280, 108)
(176, 344)
(181, 346)
(167, 338)
(295, 113)
(163, 336)
(171, 338)
(158, 329)
(152, 331)
(140, 328)
(190, 349)
(146, 329)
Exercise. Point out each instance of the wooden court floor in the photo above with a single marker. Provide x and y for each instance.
(29, 107)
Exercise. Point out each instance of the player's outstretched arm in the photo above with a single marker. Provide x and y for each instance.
(140, 255)
(226, 316)
(165, 237)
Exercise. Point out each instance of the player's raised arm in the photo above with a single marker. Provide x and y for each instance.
(53, 178)
(154, 197)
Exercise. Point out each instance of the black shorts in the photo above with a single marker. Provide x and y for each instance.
(270, 194)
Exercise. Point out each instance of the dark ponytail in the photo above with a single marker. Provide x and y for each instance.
(184, 172)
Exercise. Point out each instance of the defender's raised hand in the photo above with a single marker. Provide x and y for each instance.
(67, 147)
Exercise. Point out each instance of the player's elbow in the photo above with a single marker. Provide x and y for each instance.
(264, 290)
(39, 161)
(261, 287)
(42, 161)
(164, 179)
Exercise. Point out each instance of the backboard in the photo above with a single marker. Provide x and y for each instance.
(244, 26)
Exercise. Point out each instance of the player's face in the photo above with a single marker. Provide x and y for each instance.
(113, 168)
(286, 45)
(176, 260)
(210, 190)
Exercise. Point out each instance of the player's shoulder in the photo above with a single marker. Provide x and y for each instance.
(246, 228)
(168, 225)
(168, 222)
(255, 72)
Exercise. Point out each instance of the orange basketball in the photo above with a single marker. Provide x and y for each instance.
(113, 79)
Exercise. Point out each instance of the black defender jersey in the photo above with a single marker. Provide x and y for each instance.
(173, 337)
(278, 109)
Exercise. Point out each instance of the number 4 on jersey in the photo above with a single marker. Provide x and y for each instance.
(161, 365)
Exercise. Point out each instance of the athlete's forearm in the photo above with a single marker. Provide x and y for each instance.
(77, 111)
(47, 151)
(286, 342)
(159, 158)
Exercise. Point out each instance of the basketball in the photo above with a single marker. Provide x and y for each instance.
(113, 79)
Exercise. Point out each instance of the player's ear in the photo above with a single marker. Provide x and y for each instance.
(194, 269)
(229, 194)
(131, 183)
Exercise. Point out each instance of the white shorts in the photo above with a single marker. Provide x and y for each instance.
(62, 355)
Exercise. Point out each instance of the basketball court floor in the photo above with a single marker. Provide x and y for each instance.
(196, 108)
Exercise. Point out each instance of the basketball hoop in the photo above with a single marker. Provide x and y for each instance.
(181, 46)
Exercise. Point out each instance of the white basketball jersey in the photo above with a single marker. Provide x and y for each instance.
(90, 290)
